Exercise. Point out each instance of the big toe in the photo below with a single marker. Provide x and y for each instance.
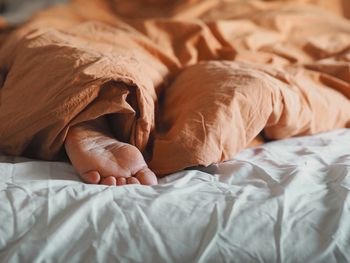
(91, 177)
(146, 177)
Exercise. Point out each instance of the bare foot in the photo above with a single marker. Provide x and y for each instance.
(101, 159)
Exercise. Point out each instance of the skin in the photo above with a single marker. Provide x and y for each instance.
(101, 159)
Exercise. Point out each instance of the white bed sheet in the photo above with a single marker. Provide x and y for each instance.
(286, 201)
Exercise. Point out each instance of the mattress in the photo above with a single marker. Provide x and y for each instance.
(284, 201)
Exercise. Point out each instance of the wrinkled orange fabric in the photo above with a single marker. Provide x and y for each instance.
(191, 83)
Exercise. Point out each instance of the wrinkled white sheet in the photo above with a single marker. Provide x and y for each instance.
(285, 201)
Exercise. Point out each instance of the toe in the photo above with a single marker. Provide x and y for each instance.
(132, 180)
(110, 180)
(91, 177)
(121, 181)
(146, 177)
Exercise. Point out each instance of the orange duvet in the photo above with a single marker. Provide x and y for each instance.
(187, 82)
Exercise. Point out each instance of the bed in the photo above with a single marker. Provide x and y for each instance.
(284, 201)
